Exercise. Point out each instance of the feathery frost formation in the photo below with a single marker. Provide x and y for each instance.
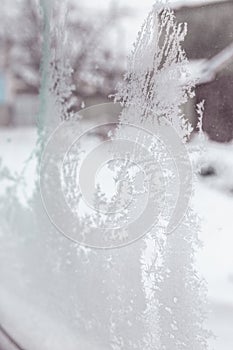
(156, 86)
(143, 296)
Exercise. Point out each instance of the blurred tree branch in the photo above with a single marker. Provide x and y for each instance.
(97, 64)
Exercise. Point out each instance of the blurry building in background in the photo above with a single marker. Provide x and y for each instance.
(209, 46)
(6, 91)
(4, 105)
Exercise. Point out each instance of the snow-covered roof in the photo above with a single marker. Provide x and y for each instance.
(205, 70)
(175, 4)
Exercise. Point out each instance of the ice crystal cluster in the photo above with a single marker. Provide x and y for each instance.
(156, 86)
(145, 295)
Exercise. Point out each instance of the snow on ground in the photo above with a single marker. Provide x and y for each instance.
(16, 148)
(214, 202)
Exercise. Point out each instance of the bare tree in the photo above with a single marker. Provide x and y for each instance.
(96, 64)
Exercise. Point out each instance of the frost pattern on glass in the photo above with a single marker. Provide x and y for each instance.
(157, 84)
(158, 80)
(146, 295)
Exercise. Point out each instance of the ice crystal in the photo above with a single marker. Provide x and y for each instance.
(200, 112)
(157, 85)
(116, 299)
(156, 69)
